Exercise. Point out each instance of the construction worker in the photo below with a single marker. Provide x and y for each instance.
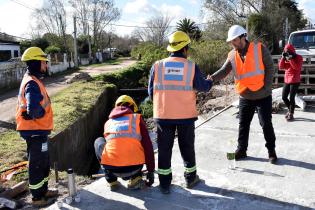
(252, 66)
(126, 146)
(34, 119)
(172, 85)
(291, 63)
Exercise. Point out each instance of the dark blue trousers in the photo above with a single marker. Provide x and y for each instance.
(38, 169)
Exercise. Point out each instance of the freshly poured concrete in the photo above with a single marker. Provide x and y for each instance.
(254, 184)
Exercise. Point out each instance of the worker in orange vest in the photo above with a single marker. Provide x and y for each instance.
(126, 146)
(252, 66)
(34, 120)
(172, 86)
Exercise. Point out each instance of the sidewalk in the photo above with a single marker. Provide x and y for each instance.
(255, 184)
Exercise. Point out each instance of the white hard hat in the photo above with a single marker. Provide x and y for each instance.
(235, 31)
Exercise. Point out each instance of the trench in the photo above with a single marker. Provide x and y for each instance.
(74, 146)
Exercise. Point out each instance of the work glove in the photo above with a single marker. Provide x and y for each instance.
(150, 179)
(285, 55)
(26, 116)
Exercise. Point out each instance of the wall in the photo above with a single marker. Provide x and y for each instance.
(11, 75)
(74, 147)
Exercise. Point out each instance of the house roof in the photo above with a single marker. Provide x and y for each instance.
(9, 42)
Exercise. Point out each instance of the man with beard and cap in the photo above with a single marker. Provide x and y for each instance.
(34, 119)
(291, 63)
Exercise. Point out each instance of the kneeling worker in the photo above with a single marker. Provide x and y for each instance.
(126, 146)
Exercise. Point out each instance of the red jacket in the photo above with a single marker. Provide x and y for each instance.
(145, 142)
(291, 67)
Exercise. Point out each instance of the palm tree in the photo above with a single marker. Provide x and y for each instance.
(190, 27)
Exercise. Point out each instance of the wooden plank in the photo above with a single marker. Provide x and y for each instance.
(15, 190)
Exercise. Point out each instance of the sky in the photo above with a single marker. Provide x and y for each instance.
(15, 15)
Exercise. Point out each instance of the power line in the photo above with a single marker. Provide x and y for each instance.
(17, 2)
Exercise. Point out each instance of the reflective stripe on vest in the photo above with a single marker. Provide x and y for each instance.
(248, 74)
(173, 93)
(251, 72)
(121, 128)
(186, 87)
(43, 123)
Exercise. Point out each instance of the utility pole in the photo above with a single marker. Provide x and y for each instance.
(89, 43)
(76, 63)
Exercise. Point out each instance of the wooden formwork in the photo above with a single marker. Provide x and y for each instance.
(307, 85)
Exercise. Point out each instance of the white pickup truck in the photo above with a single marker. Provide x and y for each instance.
(304, 43)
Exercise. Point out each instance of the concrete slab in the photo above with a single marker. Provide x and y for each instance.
(254, 184)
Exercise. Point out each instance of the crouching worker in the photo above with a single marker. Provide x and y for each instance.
(126, 146)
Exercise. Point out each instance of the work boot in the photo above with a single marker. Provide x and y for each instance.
(193, 183)
(240, 154)
(165, 189)
(114, 186)
(135, 183)
(51, 193)
(272, 156)
(290, 117)
(42, 202)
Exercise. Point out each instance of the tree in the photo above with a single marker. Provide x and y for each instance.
(190, 27)
(263, 17)
(95, 14)
(156, 29)
(51, 18)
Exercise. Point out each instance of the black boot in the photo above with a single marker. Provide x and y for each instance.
(272, 156)
(239, 154)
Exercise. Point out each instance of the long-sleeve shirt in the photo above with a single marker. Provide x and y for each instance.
(292, 69)
(199, 84)
(268, 78)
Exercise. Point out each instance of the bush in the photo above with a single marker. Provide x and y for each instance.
(209, 54)
(149, 52)
(132, 77)
(147, 108)
(52, 49)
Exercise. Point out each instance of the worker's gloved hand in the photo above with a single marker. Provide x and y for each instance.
(150, 179)
(26, 116)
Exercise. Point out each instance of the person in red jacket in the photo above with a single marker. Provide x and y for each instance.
(126, 146)
(291, 63)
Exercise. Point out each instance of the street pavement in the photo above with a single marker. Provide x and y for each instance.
(253, 184)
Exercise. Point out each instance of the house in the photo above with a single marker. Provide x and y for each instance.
(9, 49)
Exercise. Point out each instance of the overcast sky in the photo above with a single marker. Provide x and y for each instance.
(15, 15)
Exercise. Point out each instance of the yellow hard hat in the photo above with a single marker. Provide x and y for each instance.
(34, 53)
(124, 99)
(177, 41)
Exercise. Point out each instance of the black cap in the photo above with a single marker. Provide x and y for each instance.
(70, 171)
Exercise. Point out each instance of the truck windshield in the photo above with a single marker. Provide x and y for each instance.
(303, 40)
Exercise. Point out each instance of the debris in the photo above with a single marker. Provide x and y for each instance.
(18, 168)
(15, 190)
(78, 77)
(7, 203)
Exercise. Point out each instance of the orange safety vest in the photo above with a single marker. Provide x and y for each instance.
(123, 141)
(173, 93)
(44, 123)
(250, 73)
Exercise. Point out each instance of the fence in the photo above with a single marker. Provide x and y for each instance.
(307, 85)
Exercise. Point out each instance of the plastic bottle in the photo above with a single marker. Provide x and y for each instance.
(71, 183)
(231, 155)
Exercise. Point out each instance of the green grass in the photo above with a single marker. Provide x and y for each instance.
(68, 105)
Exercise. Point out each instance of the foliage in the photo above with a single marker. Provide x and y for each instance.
(52, 49)
(209, 54)
(149, 52)
(40, 42)
(24, 45)
(132, 77)
(146, 108)
(190, 27)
